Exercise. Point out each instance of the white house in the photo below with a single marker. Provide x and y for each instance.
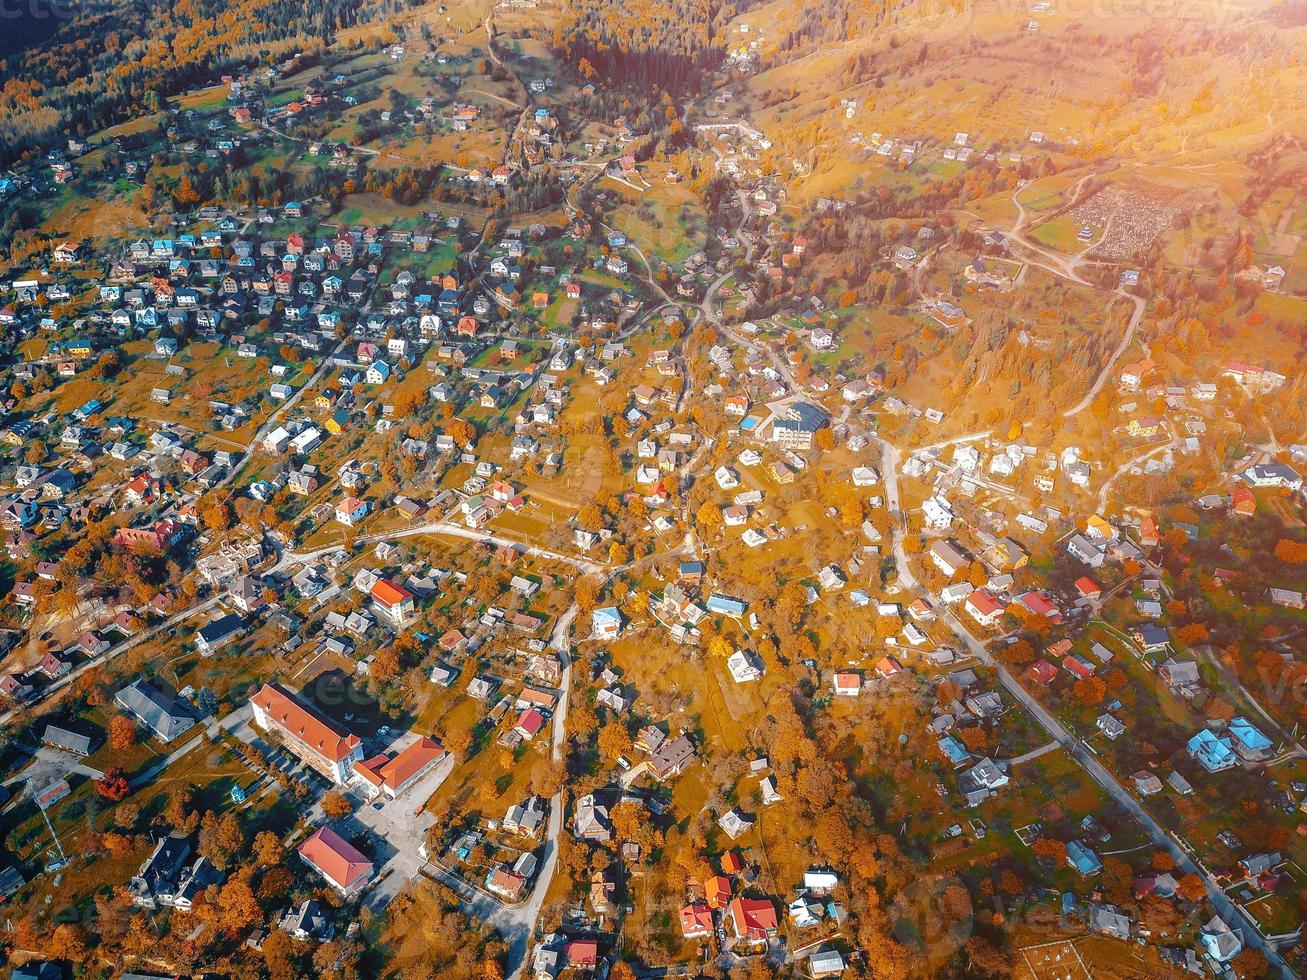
(984, 608)
(1084, 550)
(277, 440)
(937, 513)
(606, 622)
(306, 440)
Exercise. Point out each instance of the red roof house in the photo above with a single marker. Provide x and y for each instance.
(336, 860)
(1078, 667)
(717, 890)
(984, 608)
(529, 723)
(1148, 535)
(1088, 588)
(582, 953)
(393, 601)
(696, 920)
(305, 731)
(412, 762)
(1042, 672)
(887, 667)
(753, 918)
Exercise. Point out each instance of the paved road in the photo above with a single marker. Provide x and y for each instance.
(291, 558)
(271, 421)
(890, 457)
(524, 919)
(370, 151)
(1034, 753)
(1160, 838)
(401, 824)
(1224, 907)
(48, 764)
(1110, 366)
(114, 651)
(516, 923)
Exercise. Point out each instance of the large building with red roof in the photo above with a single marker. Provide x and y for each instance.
(582, 954)
(317, 740)
(984, 608)
(338, 861)
(410, 765)
(394, 774)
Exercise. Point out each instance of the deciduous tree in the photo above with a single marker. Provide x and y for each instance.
(614, 740)
(1250, 964)
(239, 909)
(267, 848)
(336, 806)
(1190, 887)
(1050, 849)
(1291, 552)
(222, 840)
(113, 785)
(122, 732)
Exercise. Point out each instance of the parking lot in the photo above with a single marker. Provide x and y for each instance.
(391, 830)
(395, 829)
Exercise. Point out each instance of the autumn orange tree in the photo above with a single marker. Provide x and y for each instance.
(267, 848)
(1050, 849)
(1089, 690)
(614, 740)
(1291, 552)
(1190, 887)
(458, 741)
(1020, 653)
(239, 910)
(122, 732)
(1250, 964)
(336, 806)
(222, 840)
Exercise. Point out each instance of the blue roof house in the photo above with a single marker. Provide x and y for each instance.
(1211, 751)
(1083, 859)
(726, 606)
(1249, 742)
(955, 751)
(606, 621)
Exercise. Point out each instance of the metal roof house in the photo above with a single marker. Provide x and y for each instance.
(164, 716)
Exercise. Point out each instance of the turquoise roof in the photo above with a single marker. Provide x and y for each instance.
(1210, 751)
(1248, 735)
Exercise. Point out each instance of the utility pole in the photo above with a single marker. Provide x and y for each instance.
(55, 837)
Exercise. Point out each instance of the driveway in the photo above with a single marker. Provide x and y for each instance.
(396, 828)
(49, 764)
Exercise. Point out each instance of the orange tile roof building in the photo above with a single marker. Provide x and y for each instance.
(368, 773)
(337, 861)
(752, 919)
(314, 738)
(410, 765)
(696, 920)
(394, 774)
(393, 602)
(717, 891)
